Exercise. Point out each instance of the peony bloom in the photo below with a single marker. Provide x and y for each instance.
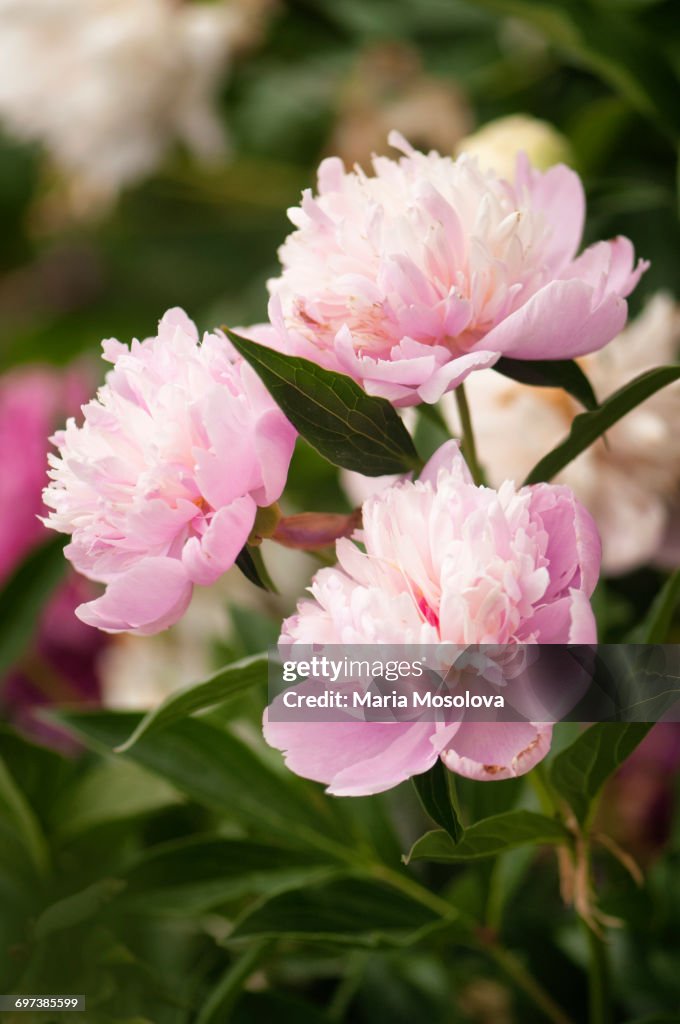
(444, 561)
(160, 486)
(631, 482)
(411, 279)
(109, 85)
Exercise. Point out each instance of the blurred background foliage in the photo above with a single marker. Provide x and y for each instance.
(121, 877)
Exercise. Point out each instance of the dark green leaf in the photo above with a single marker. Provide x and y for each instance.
(490, 837)
(546, 373)
(580, 771)
(23, 597)
(216, 769)
(251, 564)
(112, 790)
(434, 789)
(348, 911)
(79, 907)
(348, 427)
(659, 619)
(191, 876)
(224, 684)
(18, 819)
(588, 426)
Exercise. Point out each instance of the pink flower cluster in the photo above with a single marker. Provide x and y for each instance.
(444, 561)
(160, 485)
(411, 279)
(408, 281)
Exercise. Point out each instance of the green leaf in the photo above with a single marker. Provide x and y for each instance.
(218, 770)
(435, 792)
(490, 837)
(112, 790)
(23, 597)
(75, 909)
(194, 875)
(579, 772)
(20, 821)
(659, 619)
(224, 684)
(588, 426)
(547, 373)
(354, 912)
(334, 415)
(251, 564)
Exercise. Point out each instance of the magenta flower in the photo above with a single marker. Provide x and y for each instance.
(32, 401)
(411, 279)
(160, 486)
(61, 662)
(444, 561)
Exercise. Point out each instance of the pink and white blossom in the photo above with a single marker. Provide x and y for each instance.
(412, 278)
(160, 485)
(444, 561)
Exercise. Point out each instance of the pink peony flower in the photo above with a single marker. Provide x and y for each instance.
(444, 561)
(160, 486)
(411, 279)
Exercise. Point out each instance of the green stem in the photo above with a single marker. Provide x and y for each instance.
(468, 447)
(434, 414)
(228, 989)
(598, 979)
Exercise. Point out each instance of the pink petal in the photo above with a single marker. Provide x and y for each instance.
(559, 322)
(574, 549)
(353, 758)
(274, 443)
(495, 751)
(448, 377)
(173, 319)
(559, 195)
(208, 558)
(146, 599)
(448, 458)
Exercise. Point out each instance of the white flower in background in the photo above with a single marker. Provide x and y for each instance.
(631, 483)
(497, 143)
(139, 672)
(108, 85)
